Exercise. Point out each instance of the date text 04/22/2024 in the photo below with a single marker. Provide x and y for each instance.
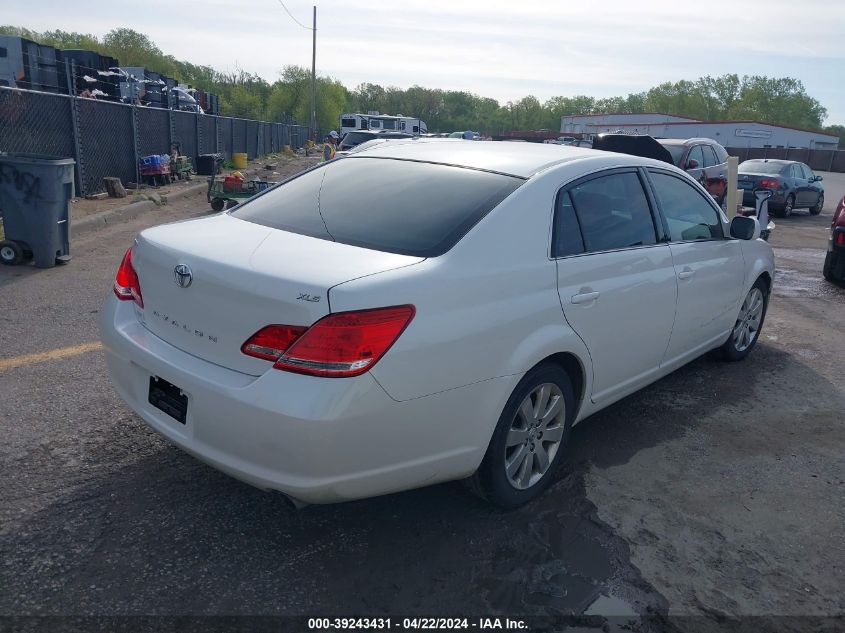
(417, 623)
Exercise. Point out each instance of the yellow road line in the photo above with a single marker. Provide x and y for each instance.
(53, 354)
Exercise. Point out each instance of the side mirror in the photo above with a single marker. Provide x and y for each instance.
(692, 163)
(816, 179)
(743, 228)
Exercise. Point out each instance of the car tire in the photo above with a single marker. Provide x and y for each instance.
(749, 323)
(11, 253)
(521, 459)
(834, 267)
(788, 206)
(819, 206)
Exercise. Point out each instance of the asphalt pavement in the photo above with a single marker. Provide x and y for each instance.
(717, 492)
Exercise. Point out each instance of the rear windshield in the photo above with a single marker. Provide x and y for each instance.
(356, 138)
(760, 167)
(677, 152)
(397, 206)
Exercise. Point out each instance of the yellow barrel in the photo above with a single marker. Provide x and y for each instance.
(239, 160)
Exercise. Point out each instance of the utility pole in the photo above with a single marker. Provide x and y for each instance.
(314, 77)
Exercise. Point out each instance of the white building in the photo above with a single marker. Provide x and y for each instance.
(727, 133)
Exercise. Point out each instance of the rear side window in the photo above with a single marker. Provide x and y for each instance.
(613, 212)
(689, 215)
(566, 236)
(397, 206)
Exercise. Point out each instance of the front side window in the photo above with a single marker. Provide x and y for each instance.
(808, 173)
(796, 172)
(709, 156)
(689, 215)
(695, 155)
(613, 212)
(396, 206)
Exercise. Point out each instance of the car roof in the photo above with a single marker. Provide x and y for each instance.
(514, 159)
(684, 141)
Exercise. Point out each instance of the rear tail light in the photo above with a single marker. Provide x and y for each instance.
(126, 284)
(338, 345)
(839, 216)
(271, 342)
(840, 239)
(770, 183)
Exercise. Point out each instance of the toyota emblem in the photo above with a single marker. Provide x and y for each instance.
(183, 276)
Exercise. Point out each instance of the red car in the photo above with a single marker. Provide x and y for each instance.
(834, 262)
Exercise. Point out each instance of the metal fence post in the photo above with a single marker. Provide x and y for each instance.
(74, 117)
(197, 132)
(216, 135)
(135, 144)
(170, 131)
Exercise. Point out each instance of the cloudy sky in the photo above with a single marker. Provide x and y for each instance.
(501, 49)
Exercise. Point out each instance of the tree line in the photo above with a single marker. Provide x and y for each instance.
(778, 100)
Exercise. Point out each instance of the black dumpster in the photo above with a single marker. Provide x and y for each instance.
(35, 196)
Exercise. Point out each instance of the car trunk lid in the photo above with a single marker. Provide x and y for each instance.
(239, 277)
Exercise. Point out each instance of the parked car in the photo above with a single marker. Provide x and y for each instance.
(793, 185)
(451, 314)
(703, 159)
(834, 261)
(353, 139)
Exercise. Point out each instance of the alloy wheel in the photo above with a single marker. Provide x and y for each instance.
(748, 322)
(535, 435)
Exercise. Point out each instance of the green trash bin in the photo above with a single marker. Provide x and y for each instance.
(35, 196)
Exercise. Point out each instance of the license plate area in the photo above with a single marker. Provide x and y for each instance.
(169, 398)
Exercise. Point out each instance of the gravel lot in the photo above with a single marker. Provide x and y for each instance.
(717, 492)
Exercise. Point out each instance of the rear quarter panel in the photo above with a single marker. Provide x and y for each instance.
(487, 308)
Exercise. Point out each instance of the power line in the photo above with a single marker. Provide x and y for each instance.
(307, 28)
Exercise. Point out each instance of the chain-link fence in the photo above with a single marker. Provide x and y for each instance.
(106, 138)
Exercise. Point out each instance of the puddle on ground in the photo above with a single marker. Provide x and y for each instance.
(812, 256)
(795, 283)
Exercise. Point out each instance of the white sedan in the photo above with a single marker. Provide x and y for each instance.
(427, 310)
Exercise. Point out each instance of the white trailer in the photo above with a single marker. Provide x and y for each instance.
(374, 121)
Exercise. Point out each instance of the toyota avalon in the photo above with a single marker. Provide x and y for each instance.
(427, 310)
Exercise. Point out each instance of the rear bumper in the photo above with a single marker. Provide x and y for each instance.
(750, 200)
(317, 440)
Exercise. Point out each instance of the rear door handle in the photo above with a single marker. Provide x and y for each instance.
(686, 273)
(585, 297)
